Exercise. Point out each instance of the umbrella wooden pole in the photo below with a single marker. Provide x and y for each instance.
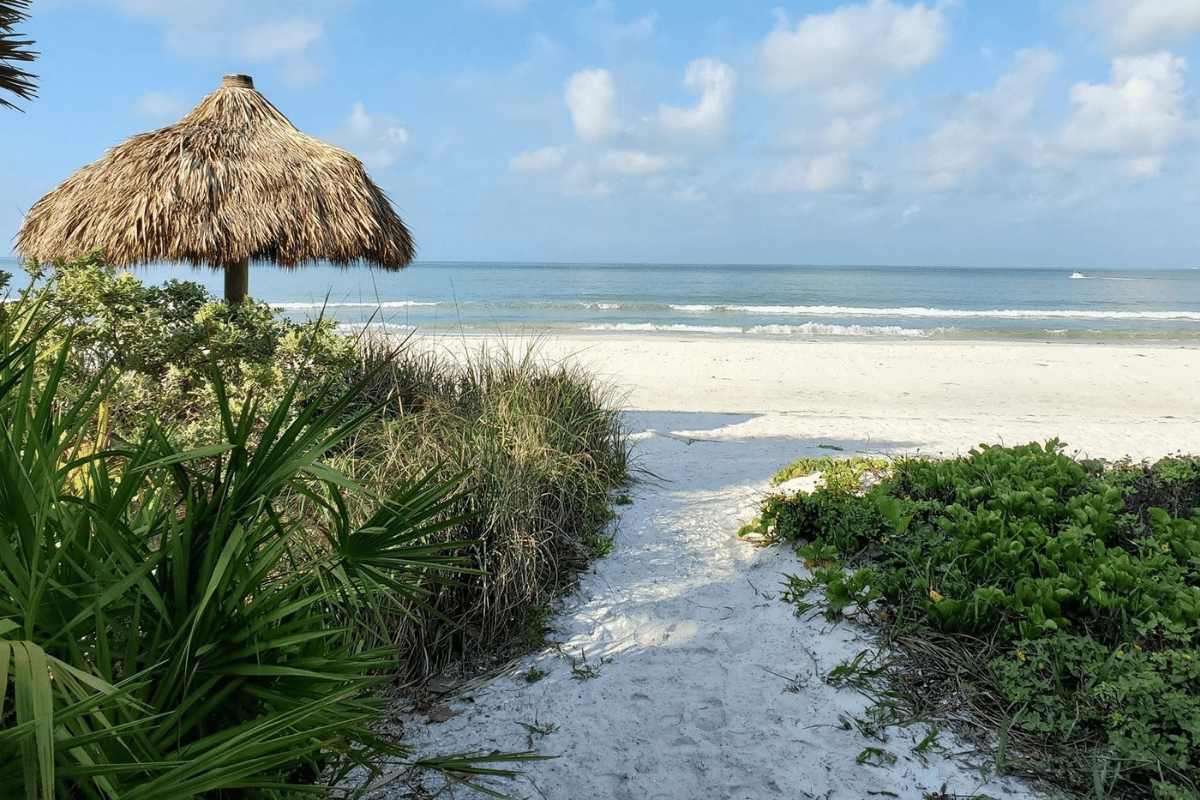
(237, 281)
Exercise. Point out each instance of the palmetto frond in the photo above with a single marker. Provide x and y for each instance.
(14, 80)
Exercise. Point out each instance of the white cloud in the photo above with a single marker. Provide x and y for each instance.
(1131, 26)
(540, 160)
(193, 28)
(1146, 166)
(634, 162)
(376, 140)
(715, 81)
(580, 170)
(591, 166)
(1140, 114)
(221, 30)
(601, 22)
(808, 174)
(834, 69)
(274, 39)
(580, 181)
(160, 108)
(989, 125)
(841, 133)
(591, 98)
(906, 216)
(871, 180)
(852, 48)
(855, 98)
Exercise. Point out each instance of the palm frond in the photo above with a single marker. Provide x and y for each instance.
(15, 49)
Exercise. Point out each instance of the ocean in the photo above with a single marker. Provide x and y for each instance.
(750, 300)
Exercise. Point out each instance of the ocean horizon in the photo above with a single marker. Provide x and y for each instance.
(751, 300)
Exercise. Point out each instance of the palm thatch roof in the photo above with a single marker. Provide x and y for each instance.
(232, 181)
(12, 79)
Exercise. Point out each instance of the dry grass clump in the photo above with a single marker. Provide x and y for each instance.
(540, 447)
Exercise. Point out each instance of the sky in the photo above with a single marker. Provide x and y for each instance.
(1026, 133)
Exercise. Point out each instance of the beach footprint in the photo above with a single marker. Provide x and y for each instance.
(709, 715)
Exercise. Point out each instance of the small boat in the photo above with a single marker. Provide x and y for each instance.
(1078, 275)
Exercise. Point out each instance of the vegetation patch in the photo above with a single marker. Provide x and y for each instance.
(221, 532)
(540, 450)
(845, 474)
(1057, 600)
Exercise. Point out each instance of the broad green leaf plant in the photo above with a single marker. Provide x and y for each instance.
(163, 632)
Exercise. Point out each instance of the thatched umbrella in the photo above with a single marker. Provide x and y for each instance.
(230, 182)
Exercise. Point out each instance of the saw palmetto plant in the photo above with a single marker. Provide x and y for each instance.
(162, 634)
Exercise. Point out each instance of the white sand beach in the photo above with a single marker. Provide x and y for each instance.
(676, 672)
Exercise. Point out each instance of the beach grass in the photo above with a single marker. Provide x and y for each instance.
(1047, 607)
(541, 451)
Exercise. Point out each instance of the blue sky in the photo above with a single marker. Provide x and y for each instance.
(1042, 133)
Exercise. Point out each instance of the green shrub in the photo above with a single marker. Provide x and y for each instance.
(161, 344)
(1080, 596)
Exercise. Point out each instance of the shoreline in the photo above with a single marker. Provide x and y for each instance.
(822, 333)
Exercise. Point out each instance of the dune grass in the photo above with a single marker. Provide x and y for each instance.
(541, 451)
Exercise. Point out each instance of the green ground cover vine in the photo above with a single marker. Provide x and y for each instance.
(1072, 590)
